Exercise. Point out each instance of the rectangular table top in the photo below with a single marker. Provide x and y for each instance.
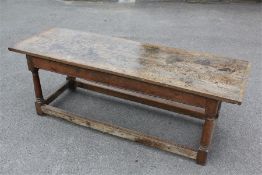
(203, 74)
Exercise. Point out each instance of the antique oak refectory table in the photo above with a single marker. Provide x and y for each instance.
(190, 83)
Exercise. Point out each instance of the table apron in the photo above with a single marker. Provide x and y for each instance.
(119, 81)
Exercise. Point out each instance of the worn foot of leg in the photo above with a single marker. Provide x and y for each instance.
(38, 108)
(71, 82)
(205, 141)
(201, 157)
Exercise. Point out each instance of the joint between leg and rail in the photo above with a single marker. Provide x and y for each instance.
(71, 82)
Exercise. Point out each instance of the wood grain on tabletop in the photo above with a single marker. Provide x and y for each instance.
(198, 73)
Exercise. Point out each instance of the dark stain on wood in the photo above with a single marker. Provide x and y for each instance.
(87, 123)
(204, 62)
(227, 69)
(173, 59)
(150, 49)
(149, 142)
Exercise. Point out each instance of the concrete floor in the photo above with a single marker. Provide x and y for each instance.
(30, 144)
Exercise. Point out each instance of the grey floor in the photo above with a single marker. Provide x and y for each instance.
(30, 144)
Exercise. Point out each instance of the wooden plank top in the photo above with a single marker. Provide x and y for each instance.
(198, 73)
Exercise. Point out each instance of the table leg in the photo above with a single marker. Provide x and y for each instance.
(37, 87)
(206, 138)
(38, 91)
(212, 108)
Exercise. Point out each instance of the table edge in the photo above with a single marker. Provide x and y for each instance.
(233, 101)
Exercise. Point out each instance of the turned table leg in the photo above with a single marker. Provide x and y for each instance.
(38, 91)
(212, 108)
(37, 87)
(71, 82)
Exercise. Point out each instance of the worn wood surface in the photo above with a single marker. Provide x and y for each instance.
(200, 73)
(121, 132)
